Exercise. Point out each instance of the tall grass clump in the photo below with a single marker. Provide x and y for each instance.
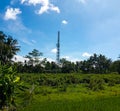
(96, 83)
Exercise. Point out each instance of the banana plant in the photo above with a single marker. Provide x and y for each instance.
(9, 81)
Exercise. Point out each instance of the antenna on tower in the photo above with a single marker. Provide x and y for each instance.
(58, 49)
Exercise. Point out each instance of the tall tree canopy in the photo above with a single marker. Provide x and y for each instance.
(96, 64)
(34, 57)
(8, 48)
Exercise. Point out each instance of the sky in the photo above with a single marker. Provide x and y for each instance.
(86, 27)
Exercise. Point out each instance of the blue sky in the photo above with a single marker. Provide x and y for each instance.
(86, 26)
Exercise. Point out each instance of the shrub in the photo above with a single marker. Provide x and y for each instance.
(8, 83)
(71, 79)
(96, 84)
(111, 82)
(62, 88)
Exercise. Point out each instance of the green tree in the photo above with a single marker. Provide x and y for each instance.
(115, 66)
(96, 64)
(8, 48)
(33, 64)
(34, 57)
(48, 66)
(67, 66)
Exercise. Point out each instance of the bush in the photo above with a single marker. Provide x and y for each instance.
(111, 82)
(96, 84)
(71, 79)
(8, 83)
(62, 88)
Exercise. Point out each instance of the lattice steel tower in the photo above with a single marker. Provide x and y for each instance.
(58, 49)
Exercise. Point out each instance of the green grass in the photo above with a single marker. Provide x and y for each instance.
(98, 104)
(77, 96)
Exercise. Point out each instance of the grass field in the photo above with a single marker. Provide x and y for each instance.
(101, 104)
(64, 92)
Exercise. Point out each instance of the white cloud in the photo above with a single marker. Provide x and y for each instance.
(11, 13)
(45, 5)
(86, 54)
(54, 50)
(22, 1)
(17, 27)
(50, 60)
(64, 22)
(43, 9)
(66, 57)
(33, 41)
(35, 2)
(70, 58)
(19, 58)
(82, 1)
(26, 41)
(54, 8)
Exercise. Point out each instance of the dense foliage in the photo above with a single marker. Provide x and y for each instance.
(8, 48)
(8, 84)
(96, 64)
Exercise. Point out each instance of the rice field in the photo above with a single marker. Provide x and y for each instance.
(73, 96)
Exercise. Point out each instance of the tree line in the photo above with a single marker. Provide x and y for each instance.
(97, 63)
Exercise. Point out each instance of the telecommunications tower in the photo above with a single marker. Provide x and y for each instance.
(58, 49)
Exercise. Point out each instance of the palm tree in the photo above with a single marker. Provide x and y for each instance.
(12, 47)
(8, 48)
